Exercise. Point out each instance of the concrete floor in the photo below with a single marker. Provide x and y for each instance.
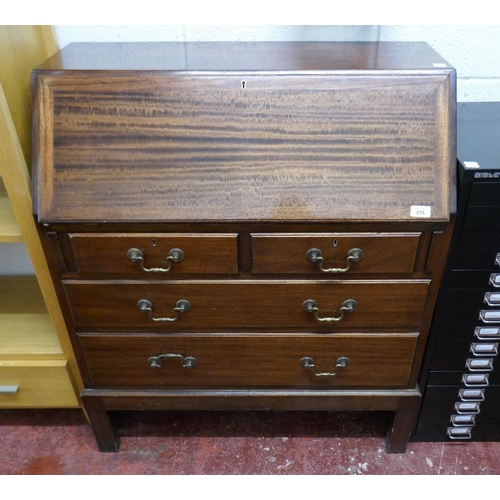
(59, 442)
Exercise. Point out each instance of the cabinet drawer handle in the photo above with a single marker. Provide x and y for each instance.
(136, 255)
(311, 306)
(314, 255)
(487, 333)
(341, 363)
(475, 380)
(495, 280)
(181, 306)
(459, 432)
(479, 364)
(484, 349)
(186, 362)
(9, 389)
(487, 316)
(492, 298)
(463, 408)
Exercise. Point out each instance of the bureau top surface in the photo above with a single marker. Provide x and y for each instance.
(246, 56)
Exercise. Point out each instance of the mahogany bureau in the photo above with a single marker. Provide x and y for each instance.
(238, 226)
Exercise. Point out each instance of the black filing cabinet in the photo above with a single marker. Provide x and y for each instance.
(460, 379)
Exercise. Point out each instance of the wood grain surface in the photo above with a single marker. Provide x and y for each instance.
(107, 253)
(223, 305)
(382, 252)
(245, 56)
(153, 147)
(375, 361)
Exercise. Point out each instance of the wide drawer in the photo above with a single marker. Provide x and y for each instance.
(334, 253)
(247, 304)
(231, 361)
(36, 384)
(155, 253)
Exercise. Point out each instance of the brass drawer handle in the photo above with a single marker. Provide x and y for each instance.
(341, 363)
(314, 255)
(136, 255)
(186, 362)
(311, 306)
(181, 306)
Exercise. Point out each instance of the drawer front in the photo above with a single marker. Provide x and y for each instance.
(478, 259)
(36, 384)
(334, 253)
(484, 194)
(456, 378)
(356, 146)
(250, 304)
(155, 254)
(231, 361)
(443, 400)
(482, 218)
(479, 239)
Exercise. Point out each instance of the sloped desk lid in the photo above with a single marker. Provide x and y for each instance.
(366, 142)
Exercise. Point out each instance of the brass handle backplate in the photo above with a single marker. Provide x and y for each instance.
(181, 306)
(136, 255)
(315, 256)
(341, 363)
(311, 306)
(186, 362)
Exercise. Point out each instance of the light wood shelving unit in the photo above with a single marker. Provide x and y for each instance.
(37, 364)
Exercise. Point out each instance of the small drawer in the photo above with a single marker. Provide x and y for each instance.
(36, 384)
(155, 254)
(479, 239)
(209, 306)
(477, 259)
(482, 219)
(272, 360)
(484, 194)
(334, 253)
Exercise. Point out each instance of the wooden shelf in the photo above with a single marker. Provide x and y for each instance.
(27, 331)
(9, 228)
(36, 355)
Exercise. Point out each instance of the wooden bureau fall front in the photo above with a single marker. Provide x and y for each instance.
(238, 226)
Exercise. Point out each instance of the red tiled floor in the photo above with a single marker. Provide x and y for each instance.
(187, 443)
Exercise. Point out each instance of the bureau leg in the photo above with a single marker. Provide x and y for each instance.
(402, 425)
(107, 439)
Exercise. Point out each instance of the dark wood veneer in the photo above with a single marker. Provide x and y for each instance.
(246, 155)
